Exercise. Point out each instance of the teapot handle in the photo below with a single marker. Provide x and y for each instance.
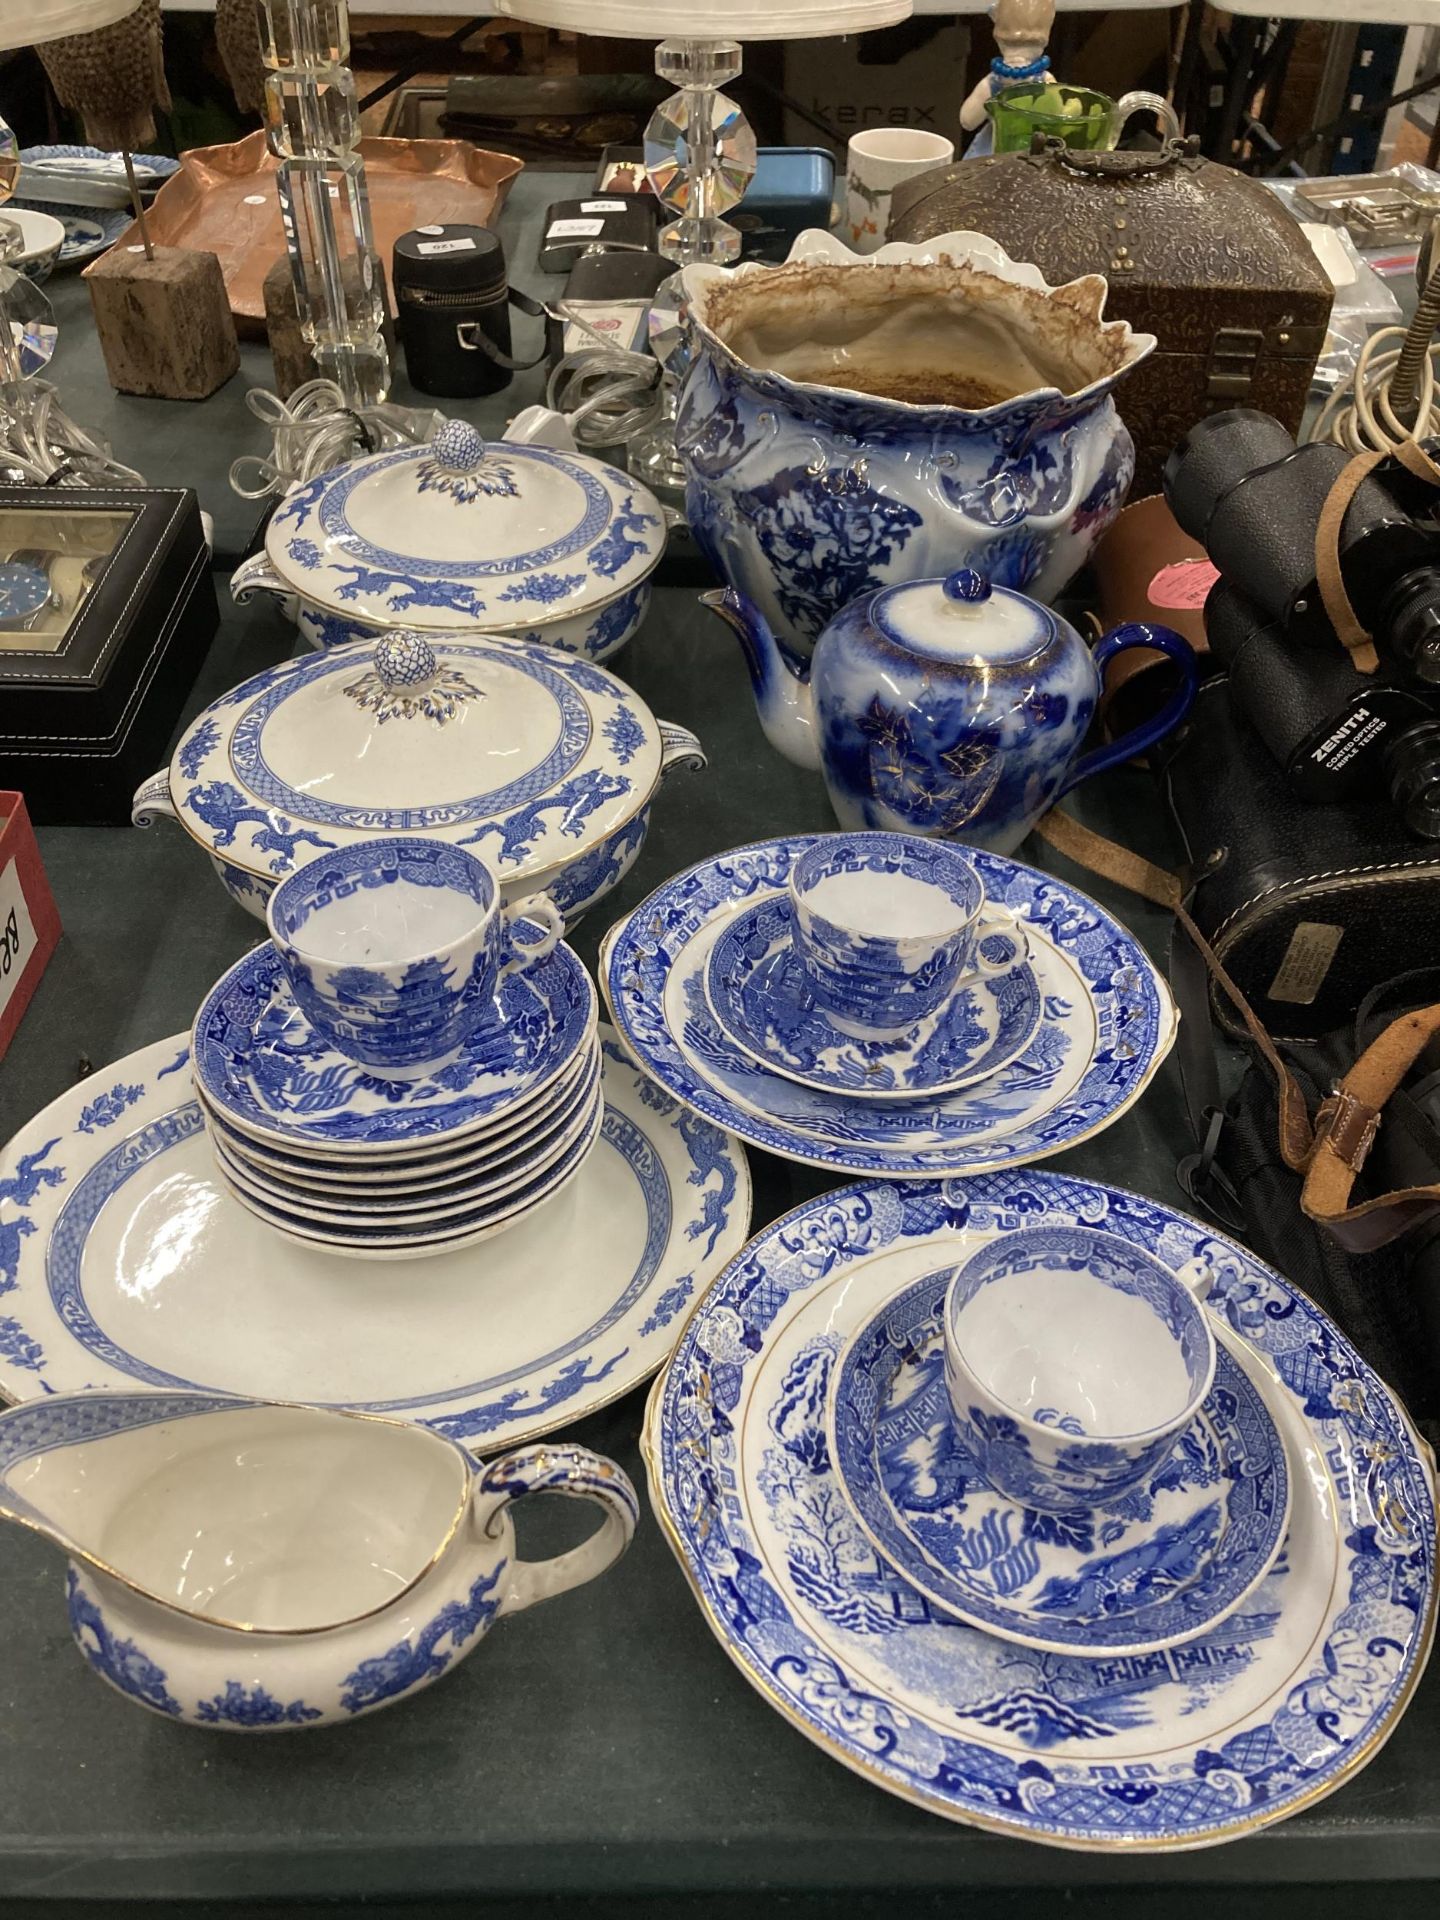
(577, 1473)
(1139, 633)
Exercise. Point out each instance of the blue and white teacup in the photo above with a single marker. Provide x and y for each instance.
(1073, 1361)
(394, 948)
(887, 925)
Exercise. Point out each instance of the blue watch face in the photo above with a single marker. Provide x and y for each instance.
(23, 590)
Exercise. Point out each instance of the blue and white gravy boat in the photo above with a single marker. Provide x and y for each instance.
(1074, 1362)
(246, 1565)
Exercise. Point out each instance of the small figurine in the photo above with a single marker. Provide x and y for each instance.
(1022, 29)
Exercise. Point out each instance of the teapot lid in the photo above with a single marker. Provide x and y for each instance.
(465, 533)
(523, 753)
(964, 618)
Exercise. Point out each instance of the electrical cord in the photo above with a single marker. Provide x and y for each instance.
(1391, 395)
(41, 446)
(607, 394)
(315, 430)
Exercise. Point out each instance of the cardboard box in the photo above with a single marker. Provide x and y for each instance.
(29, 921)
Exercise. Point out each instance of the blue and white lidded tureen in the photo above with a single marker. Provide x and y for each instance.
(542, 764)
(850, 422)
(465, 536)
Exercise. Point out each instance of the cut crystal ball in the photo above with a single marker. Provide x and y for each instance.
(699, 154)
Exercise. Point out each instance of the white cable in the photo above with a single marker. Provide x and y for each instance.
(607, 394)
(40, 445)
(315, 430)
(1358, 415)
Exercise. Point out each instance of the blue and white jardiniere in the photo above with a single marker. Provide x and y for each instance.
(1281, 1704)
(954, 708)
(1074, 1362)
(885, 925)
(761, 998)
(120, 1246)
(1156, 1567)
(1108, 1023)
(265, 1070)
(394, 948)
(543, 765)
(251, 1567)
(464, 537)
(850, 423)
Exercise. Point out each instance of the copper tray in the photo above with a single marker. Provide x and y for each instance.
(223, 201)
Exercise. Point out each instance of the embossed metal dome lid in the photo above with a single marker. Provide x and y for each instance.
(466, 534)
(521, 752)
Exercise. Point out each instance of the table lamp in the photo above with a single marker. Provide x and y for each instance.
(699, 149)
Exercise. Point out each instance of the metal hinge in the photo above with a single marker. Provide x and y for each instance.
(1234, 356)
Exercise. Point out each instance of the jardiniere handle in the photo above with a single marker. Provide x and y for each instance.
(579, 1475)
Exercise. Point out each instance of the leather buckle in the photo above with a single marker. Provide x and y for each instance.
(1347, 1126)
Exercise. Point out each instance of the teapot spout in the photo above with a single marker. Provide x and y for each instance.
(781, 680)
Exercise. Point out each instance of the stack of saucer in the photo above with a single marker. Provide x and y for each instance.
(408, 1066)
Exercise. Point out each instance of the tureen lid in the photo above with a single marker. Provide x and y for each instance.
(462, 533)
(523, 753)
(963, 617)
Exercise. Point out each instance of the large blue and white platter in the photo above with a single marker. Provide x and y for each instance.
(1108, 1023)
(125, 1263)
(1163, 1564)
(89, 230)
(266, 1072)
(1272, 1710)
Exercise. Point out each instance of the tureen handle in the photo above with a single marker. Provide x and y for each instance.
(579, 1475)
(152, 801)
(405, 662)
(256, 575)
(679, 748)
(1139, 633)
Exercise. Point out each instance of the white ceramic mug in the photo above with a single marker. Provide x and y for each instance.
(875, 163)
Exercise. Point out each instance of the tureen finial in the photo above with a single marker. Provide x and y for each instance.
(457, 447)
(966, 585)
(405, 662)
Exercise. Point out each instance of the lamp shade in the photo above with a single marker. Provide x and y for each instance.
(707, 19)
(23, 24)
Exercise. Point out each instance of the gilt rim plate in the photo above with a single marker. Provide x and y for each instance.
(124, 1264)
(1109, 1023)
(1172, 1750)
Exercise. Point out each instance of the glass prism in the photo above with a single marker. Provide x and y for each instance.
(699, 153)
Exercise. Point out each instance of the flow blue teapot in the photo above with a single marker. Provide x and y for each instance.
(949, 707)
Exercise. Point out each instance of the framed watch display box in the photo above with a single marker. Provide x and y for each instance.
(107, 607)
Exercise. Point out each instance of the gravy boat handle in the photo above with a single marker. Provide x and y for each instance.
(579, 1475)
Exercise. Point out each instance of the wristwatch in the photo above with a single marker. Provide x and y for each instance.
(25, 590)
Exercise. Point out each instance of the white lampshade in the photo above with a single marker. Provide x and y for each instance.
(719, 20)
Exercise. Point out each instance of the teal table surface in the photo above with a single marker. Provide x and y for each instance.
(601, 1754)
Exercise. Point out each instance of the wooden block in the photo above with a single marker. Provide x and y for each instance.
(289, 351)
(164, 324)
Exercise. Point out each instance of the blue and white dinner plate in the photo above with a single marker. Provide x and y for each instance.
(125, 1263)
(1164, 1565)
(1108, 1023)
(269, 1075)
(756, 986)
(1270, 1711)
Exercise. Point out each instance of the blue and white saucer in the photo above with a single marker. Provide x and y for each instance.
(1162, 1567)
(262, 1068)
(1108, 1022)
(756, 985)
(89, 230)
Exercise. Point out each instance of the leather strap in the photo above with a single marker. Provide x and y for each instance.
(1349, 629)
(1331, 1153)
